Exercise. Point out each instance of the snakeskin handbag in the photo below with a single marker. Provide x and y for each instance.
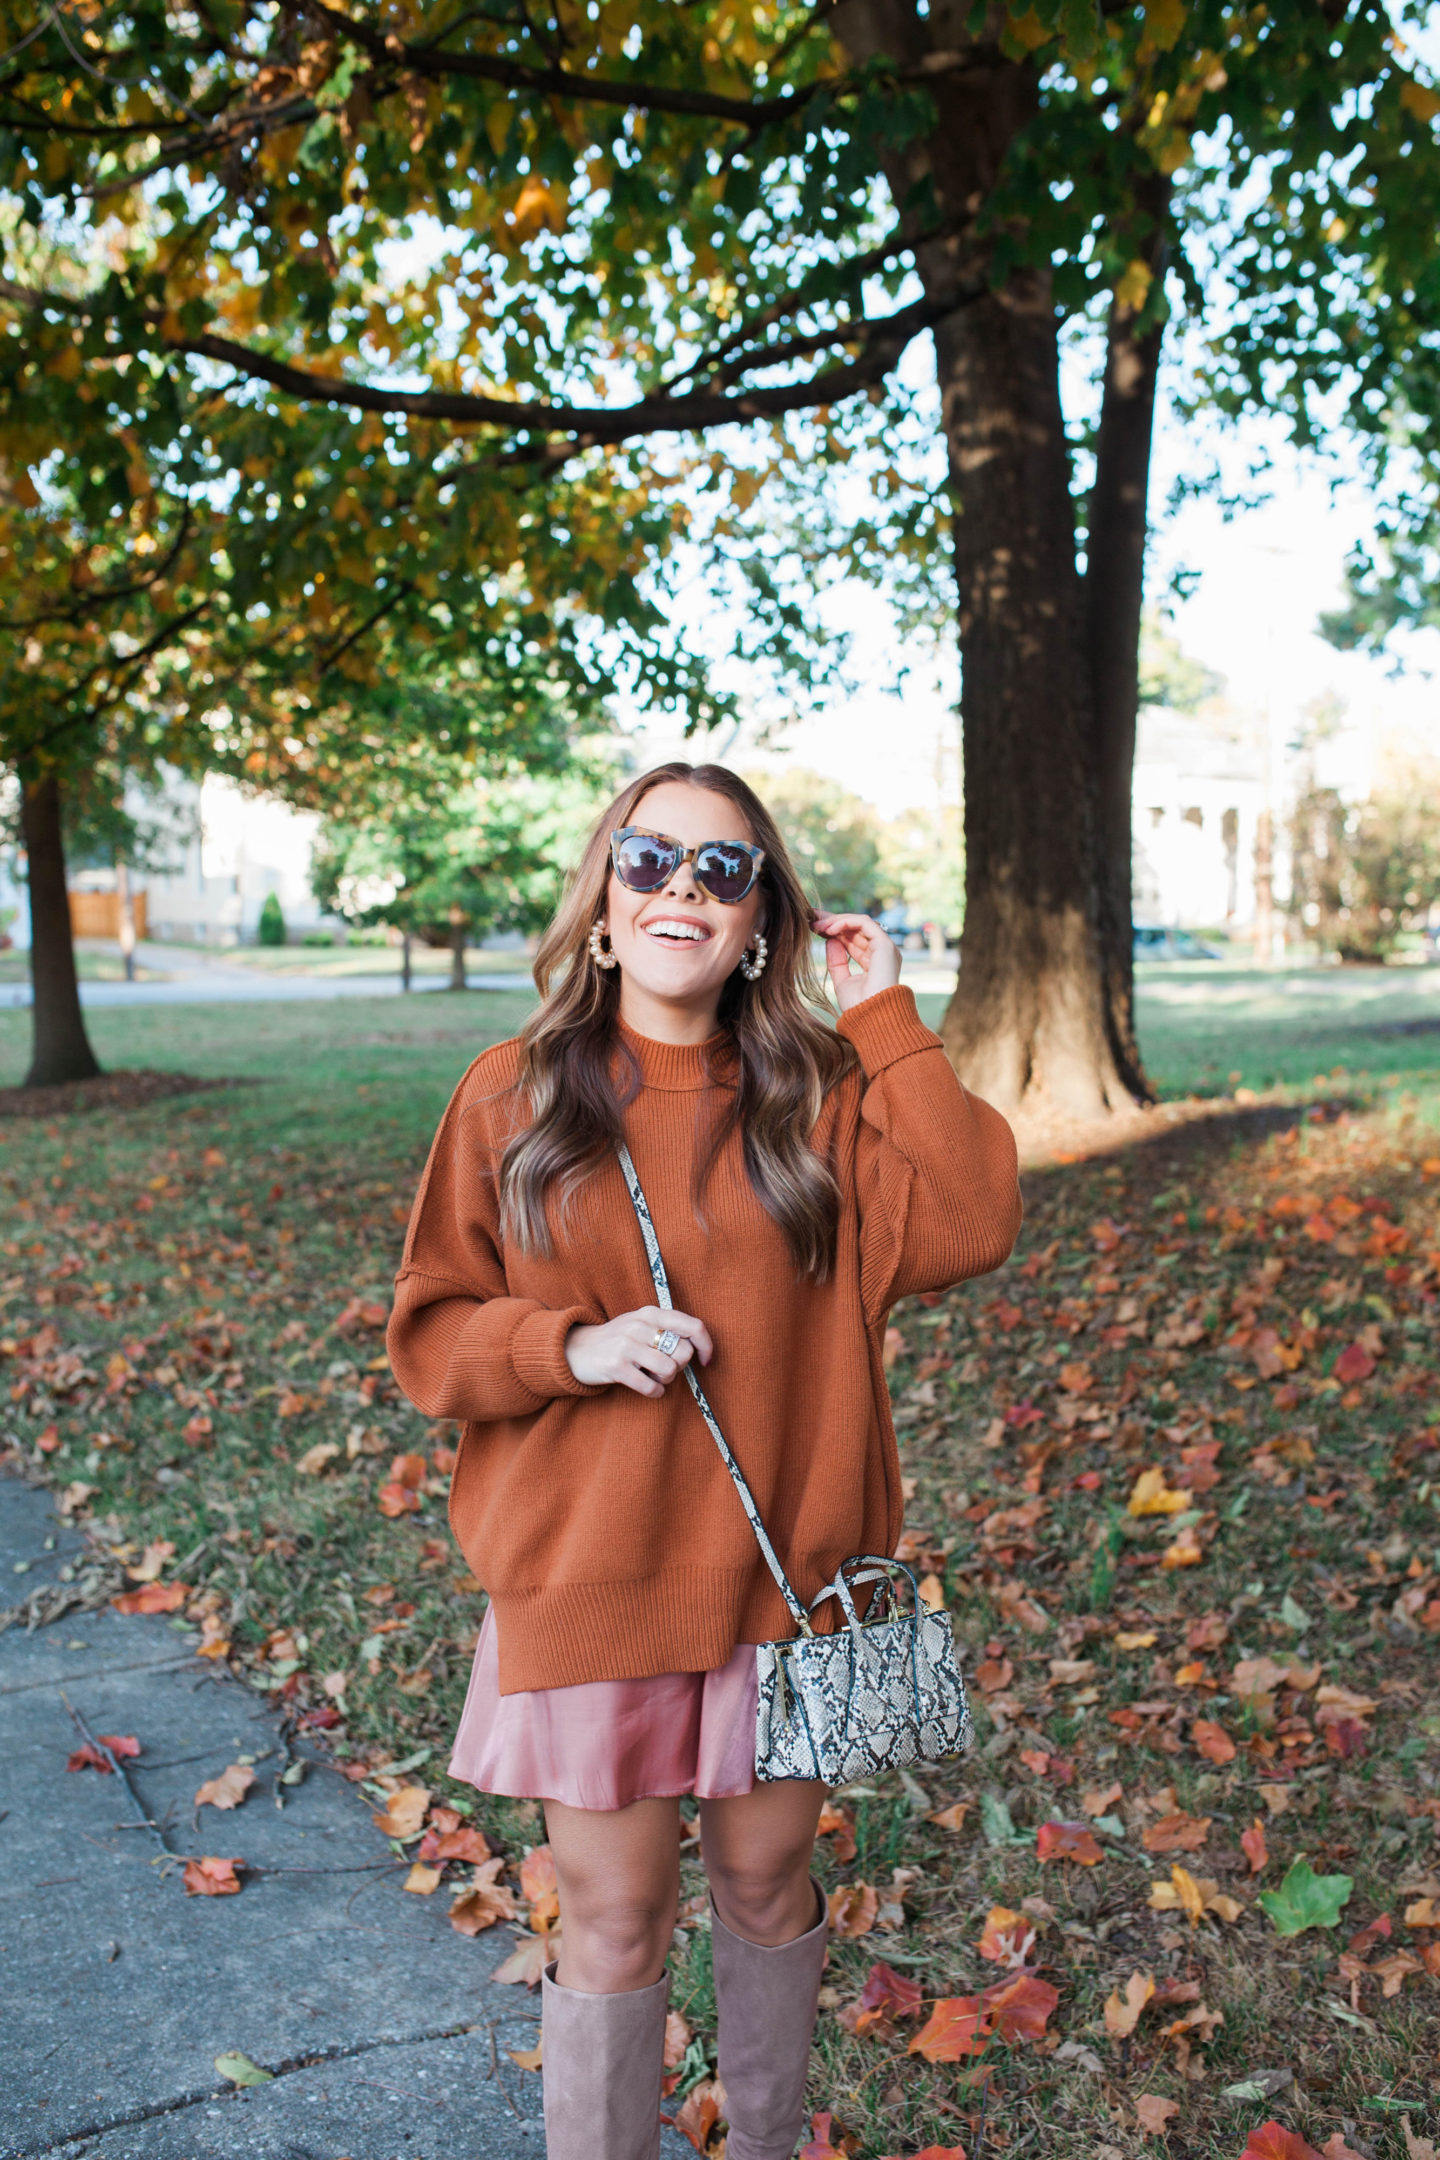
(878, 1693)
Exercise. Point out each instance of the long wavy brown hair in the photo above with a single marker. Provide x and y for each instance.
(781, 1057)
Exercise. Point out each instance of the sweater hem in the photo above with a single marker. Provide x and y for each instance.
(682, 1620)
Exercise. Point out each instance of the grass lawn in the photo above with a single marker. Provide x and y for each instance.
(1177, 1470)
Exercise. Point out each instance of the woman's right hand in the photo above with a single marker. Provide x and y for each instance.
(623, 1350)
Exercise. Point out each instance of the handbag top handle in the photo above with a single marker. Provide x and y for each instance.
(667, 1303)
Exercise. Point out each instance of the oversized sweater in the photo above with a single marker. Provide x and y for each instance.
(603, 1523)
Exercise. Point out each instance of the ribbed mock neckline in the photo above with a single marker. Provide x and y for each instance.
(675, 1067)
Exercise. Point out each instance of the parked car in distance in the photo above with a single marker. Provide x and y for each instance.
(1160, 941)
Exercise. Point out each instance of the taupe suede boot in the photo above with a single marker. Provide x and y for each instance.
(602, 2061)
(767, 2001)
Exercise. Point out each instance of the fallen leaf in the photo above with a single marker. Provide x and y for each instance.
(241, 2071)
(422, 1880)
(949, 1818)
(957, 2027)
(1416, 2147)
(1101, 1799)
(484, 1902)
(677, 2039)
(211, 1877)
(395, 1500)
(886, 1995)
(1272, 2141)
(527, 2058)
(152, 1597)
(227, 1790)
(1335, 2148)
(1395, 1970)
(464, 1843)
(1153, 2113)
(1212, 1741)
(1007, 1939)
(123, 1746)
(1020, 2007)
(1354, 1363)
(1152, 1496)
(1067, 1841)
(699, 2112)
(1194, 1895)
(404, 1813)
(1122, 2013)
(526, 1963)
(314, 1460)
(1306, 1900)
(852, 1909)
(1178, 1832)
(1136, 1639)
(1425, 1912)
(1252, 1844)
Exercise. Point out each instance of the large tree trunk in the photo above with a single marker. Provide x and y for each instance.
(1028, 1018)
(60, 1046)
(1114, 594)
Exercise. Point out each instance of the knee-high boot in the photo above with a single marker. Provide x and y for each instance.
(602, 2061)
(766, 2000)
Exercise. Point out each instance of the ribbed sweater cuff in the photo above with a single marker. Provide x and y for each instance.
(885, 1028)
(537, 1353)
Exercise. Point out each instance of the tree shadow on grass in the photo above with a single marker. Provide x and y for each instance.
(107, 1091)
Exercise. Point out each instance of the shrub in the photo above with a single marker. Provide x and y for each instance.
(272, 921)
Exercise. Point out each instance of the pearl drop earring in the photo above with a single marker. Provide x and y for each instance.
(600, 952)
(752, 965)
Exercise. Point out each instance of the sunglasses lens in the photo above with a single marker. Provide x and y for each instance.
(643, 862)
(725, 871)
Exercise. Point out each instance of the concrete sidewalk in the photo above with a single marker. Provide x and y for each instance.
(117, 1991)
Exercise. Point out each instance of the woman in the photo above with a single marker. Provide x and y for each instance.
(801, 1178)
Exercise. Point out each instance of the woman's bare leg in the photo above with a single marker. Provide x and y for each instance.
(619, 1876)
(758, 1849)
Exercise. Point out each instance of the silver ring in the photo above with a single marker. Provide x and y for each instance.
(667, 1340)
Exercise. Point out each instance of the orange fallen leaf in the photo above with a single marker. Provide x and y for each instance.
(404, 1813)
(1123, 2012)
(1254, 1847)
(1335, 2148)
(527, 2058)
(885, 1996)
(1153, 2113)
(957, 2027)
(527, 1962)
(1395, 1970)
(853, 1908)
(677, 2039)
(212, 1877)
(1177, 1832)
(1424, 1912)
(1020, 2007)
(485, 1902)
(87, 1757)
(423, 1881)
(1067, 1841)
(952, 1817)
(700, 2111)
(396, 1500)
(1193, 1895)
(1007, 1938)
(227, 1790)
(1272, 2141)
(1212, 1741)
(152, 1597)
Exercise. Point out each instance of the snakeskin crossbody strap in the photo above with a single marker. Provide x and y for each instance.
(663, 1299)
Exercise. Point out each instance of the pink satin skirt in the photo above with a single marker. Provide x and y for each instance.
(608, 1742)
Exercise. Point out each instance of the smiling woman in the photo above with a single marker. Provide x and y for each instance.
(799, 1177)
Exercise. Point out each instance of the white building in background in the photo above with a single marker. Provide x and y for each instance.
(1200, 787)
(240, 849)
(230, 850)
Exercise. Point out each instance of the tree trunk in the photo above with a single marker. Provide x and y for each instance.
(458, 928)
(405, 960)
(60, 1046)
(1028, 1016)
(1114, 594)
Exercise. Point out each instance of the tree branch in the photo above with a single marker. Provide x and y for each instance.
(882, 341)
(555, 81)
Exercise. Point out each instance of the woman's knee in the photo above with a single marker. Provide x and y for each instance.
(766, 1900)
(621, 1942)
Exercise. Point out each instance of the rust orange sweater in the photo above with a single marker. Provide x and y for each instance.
(602, 1522)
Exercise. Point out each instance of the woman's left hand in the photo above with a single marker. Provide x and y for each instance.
(855, 938)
